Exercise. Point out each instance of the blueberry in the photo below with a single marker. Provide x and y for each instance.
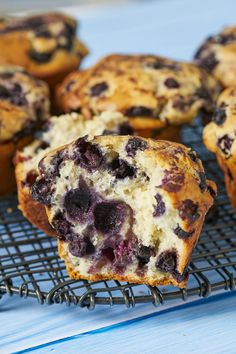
(125, 129)
(17, 96)
(182, 233)
(69, 86)
(144, 254)
(81, 246)
(43, 33)
(167, 261)
(4, 93)
(40, 58)
(108, 252)
(139, 111)
(17, 88)
(203, 93)
(123, 254)
(99, 88)
(77, 202)
(193, 156)
(172, 181)
(209, 62)
(135, 144)
(160, 207)
(69, 30)
(189, 210)
(62, 226)
(109, 216)
(225, 39)
(171, 83)
(121, 169)
(225, 143)
(219, 116)
(181, 104)
(41, 191)
(181, 277)
(161, 64)
(87, 155)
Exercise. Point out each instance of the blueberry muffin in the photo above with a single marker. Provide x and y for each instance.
(154, 92)
(45, 44)
(219, 137)
(24, 105)
(218, 55)
(125, 208)
(57, 132)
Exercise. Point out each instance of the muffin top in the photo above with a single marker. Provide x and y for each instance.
(36, 42)
(151, 90)
(217, 54)
(220, 134)
(24, 103)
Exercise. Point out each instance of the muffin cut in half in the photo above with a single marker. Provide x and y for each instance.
(219, 137)
(157, 94)
(24, 106)
(125, 208)
(58, 131)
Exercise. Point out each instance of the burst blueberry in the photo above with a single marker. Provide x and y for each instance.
(121, 169)
(87, 155)
(78, 201)
(184, 235)
(135, 144)
(160, 207)
(188, 210)
(109, 216)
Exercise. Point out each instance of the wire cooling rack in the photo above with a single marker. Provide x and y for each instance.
(30, 267)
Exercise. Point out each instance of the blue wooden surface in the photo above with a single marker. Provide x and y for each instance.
(206, 326)
(173, 28)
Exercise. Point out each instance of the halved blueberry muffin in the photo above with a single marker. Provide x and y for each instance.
(217, 55)
(156, 93)
(125, 208)
(58, 131)
(219, 137)
(45, 44)
(24, 106)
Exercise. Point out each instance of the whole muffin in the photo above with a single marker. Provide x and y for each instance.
(24, 105)
(219, 137)
(45, 44)
(125, 208)
(57, 132)
(217, 54)
(154, 92)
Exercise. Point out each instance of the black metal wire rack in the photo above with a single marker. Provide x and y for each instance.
(30, 266)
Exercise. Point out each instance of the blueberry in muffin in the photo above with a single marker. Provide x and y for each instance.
(124, 207)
